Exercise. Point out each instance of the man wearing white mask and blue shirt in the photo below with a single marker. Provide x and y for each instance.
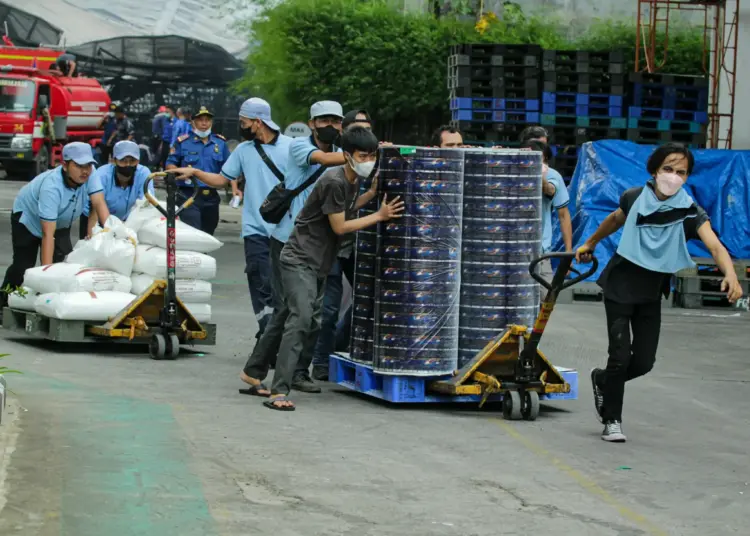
(262, 137)
(45, 210)
(121, 182)
(206, 151)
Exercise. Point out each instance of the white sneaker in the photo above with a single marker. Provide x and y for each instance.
(613, 432)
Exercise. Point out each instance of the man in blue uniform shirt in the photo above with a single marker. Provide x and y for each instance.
(166, 137)
(121, 182)
(181, 125)
(260, 134)
(44, 211)
(307, 156)
(203, 150)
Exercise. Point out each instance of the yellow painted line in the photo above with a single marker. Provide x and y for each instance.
(586, 483)
(17, 57)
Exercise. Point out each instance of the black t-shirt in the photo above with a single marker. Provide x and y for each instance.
(313, 241)
(626, 282)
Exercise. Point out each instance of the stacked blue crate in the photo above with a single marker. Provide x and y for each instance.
(668, 108)
(501, 235)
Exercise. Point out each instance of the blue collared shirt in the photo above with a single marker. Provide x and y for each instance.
(259, 179)
(190, 151)
(167, 129)
(119, 200)
(180, 127)
(47, 198)
(556, 202)
(299, 170)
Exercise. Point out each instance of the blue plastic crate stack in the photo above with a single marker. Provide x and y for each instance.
(501, 235)
(494, 91)
(417, 263)
(583, 99)
(668, 108)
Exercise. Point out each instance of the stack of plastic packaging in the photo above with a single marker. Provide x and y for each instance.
(501, 235)
(417, 262)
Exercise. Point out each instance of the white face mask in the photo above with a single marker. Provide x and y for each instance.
(669, 183)
(202, 133)
(363, 169)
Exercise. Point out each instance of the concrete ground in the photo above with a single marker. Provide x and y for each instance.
(109, 442)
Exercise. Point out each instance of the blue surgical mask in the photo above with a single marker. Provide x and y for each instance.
(202, 133)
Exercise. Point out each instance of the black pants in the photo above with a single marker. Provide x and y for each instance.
(629, 357)
(26, 250)
(203, 214)
(258, 270)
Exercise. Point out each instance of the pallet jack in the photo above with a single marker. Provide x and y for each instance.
(512, 363)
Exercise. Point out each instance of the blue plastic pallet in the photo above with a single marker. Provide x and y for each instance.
(495, 116)
(467, 103)
(571, 120)
(564, 97)
(669, 96)
(665, 125)
(412, 389)
(601, 110)
(670, 115)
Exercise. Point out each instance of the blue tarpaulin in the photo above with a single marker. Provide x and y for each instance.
(720, 183)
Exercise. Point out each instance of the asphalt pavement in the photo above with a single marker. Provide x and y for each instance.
(105, 441)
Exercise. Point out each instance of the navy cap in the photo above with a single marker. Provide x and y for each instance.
(126, 148)
(203, 111)
(78, 152)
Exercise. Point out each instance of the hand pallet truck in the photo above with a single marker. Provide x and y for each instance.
(512, 363)
(157, 316)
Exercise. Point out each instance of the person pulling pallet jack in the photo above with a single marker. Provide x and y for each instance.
(512, 363)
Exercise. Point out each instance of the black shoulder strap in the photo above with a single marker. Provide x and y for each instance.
(267, 161)
(311, 179)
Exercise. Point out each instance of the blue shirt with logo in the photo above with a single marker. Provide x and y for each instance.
(556, 202)
(48, 198)
(179, 128)
(167, 129)
(190, 151)
(119, 200)
(259, 179)
(299, 169)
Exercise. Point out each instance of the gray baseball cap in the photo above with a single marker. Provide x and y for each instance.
(256, 108)
(78, 152)
(126, 148)
(326, 107)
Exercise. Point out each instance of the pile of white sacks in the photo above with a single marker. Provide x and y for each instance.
(102, 275)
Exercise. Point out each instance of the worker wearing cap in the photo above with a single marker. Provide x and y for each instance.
(45, 210)
(157, 128)
(121, 182)
(182, 124)
(306, 156)
(207, 152)
(260, 134)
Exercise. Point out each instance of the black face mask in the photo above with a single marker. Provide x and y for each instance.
(247, 134)
(126, 171)
(328, 134)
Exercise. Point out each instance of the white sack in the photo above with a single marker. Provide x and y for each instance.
(95, 306)
(152, 260)
(142, 212)
(200, 311)
(188, 290)
(25, 302)
(65, 277)
(154, 233)
(112, 248)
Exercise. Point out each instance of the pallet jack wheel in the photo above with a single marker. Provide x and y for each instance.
(157, 347)
(174, 346)
(512, 405)
(530, 405)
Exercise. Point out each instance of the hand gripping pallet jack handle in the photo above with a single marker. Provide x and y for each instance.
(558, 282)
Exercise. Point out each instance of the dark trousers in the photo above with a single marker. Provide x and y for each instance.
(326, 343)
(302, 291)
(344, 331)
(163, 154)
(25, 252)
(258, 271)
(204, 213)
(105, 152)
(629, 357)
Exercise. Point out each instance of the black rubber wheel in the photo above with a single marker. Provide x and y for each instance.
(173, 349)
(530, 405)
(157, 347)
(512, 405)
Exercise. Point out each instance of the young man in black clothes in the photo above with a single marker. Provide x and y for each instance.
(329, 215)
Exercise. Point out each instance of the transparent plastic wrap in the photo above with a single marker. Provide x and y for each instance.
(417, 262)
(502, 233)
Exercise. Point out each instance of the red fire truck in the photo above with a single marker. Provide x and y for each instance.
(41, 110)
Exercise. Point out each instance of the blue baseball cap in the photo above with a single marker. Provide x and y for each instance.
(78, 152)
(126, 148)
(256, 108)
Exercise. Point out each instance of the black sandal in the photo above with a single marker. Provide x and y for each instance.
(253, 391)
(271, 403)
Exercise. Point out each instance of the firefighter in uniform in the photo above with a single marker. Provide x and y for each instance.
(204, 150)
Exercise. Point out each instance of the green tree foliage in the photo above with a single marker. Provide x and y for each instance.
(375, 56)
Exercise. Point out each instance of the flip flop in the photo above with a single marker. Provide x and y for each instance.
(253, 391)
(270, 404)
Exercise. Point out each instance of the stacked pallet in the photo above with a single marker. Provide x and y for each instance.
(583, 100)
(668, 108)
(700, 286)
(494, 91)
